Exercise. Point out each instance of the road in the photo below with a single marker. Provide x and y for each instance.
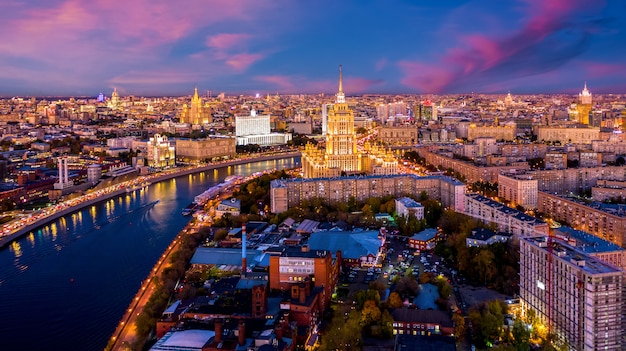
(125, 333)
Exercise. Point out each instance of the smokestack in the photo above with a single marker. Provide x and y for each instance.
(242, 332)
(218, 330)
(279, 332)
(302, 291)
(244, 265)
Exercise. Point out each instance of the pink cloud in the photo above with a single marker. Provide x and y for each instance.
(477, 56)
(282, 82)
(241, 62)
(599, 69)
(226, 40)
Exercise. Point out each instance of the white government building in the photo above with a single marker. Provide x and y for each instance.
(255, 129)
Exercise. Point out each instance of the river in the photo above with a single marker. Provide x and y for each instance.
(66, 285)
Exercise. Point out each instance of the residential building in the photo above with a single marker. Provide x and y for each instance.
(521, 189)
(287, 193)
(161, 153)
(205, 149)
(405, 206)
(507, 219)
(484, 237)
(576, 296)
(605, 221)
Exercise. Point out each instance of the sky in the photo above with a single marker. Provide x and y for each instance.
(165, 47)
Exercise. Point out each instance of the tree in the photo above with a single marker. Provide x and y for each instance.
(521, 336)
(370, 313)
(484, 263)
(459, 326)
(394, 301)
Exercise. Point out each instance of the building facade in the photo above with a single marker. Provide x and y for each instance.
(521, 189)
(578, 297)
(507, 219)
(341, 156)
(205, 149)
(287, 193)
(605, 221)
(255, 129)
(161, 153)
(196, 113)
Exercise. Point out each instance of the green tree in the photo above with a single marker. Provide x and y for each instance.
(521, 336)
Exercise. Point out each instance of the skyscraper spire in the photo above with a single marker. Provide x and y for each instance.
(195, 92)
(341, 98)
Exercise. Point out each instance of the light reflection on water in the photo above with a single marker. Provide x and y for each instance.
(78, 274)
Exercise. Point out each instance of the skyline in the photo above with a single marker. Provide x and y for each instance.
(156, 48)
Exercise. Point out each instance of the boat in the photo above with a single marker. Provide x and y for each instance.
(137, 187)
(190, 209)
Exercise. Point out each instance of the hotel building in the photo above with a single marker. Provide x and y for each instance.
(341, 156)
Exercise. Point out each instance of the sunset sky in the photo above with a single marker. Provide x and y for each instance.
(165, 47)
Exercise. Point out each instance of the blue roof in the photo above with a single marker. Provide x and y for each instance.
(409, 203)
(426, 234)
(352, 245)
(588, 243)
(220, 256)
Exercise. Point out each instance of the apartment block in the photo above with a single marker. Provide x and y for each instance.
(518, 188)
(576, 296)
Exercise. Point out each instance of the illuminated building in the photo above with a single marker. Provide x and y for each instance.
(255, 129)
(521, 189)
(205, 149)
(575, 296)
(64, 179)
(584, 106)
(341, 157)
(508, 219)
(196, 113)
(160, 152)
(114, 103)
(568, 135)
(606, 221)
(287, 193)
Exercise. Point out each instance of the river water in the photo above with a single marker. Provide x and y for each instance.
(66, 285)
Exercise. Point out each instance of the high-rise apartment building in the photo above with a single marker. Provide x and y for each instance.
(576, 296)
(341, 155)
(584, 106)
(196, 113)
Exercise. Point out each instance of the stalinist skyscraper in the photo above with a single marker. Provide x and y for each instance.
(196, 113)
(584, 106)
(341, 156)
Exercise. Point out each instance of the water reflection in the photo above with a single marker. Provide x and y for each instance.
(17, 249)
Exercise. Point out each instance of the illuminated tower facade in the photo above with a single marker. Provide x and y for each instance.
(341, 156)
(195, 112)
(341, 149)
(114, 103)
(584, 105)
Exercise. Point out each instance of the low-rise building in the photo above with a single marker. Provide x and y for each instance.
(405, 206)
(484, 237)
(205, 149)
(424, 240)
(231, 206)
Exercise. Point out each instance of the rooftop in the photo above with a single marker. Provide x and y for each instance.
(351, 244)
(184, 340)
(586, 242)
(504, 209)
(563, 251)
